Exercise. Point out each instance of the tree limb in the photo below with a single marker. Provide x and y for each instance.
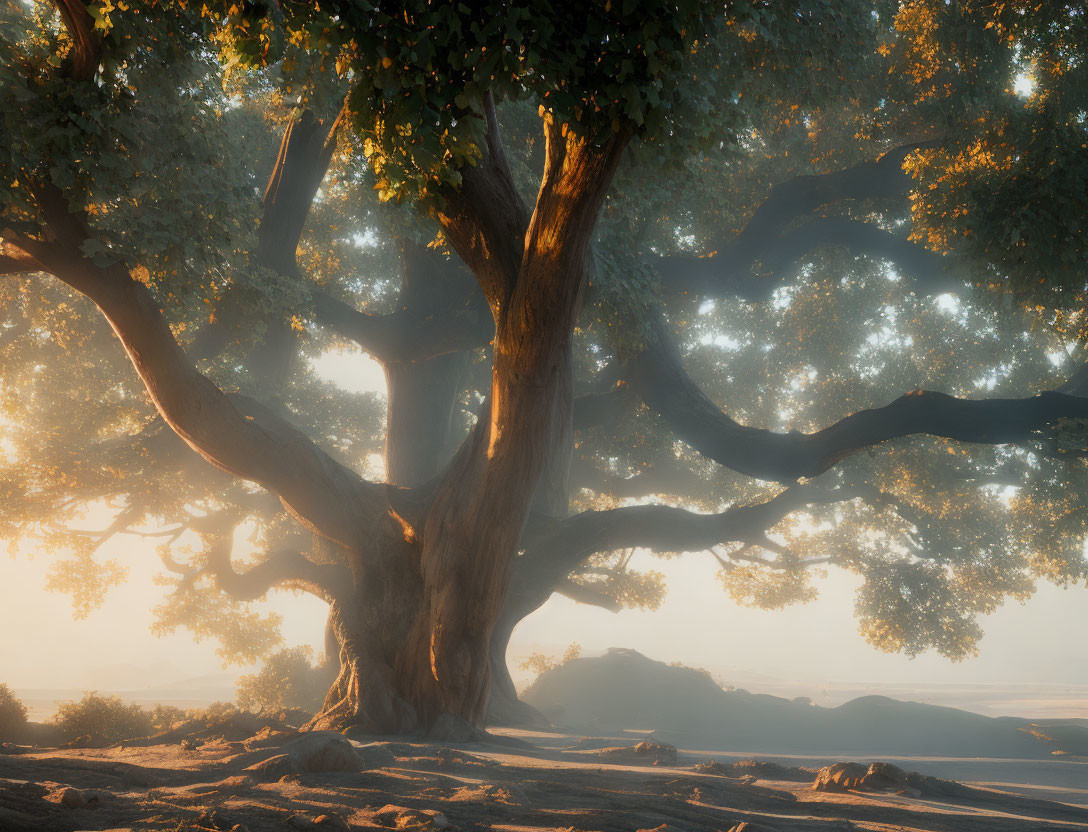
(236, 434)
(767, 240)
(802, 195)
(485, 218)
(284, 567)
(665, 529)
(304, 156)
(659, 377)
(82, 61)
(584, 594)
(927, 269)
(403, 335)
(14, 260)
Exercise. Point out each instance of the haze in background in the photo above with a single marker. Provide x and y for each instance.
(1034, 660)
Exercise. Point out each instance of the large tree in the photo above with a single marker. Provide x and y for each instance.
(569, 236)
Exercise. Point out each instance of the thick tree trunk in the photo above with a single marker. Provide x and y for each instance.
(532, 276)
(416, 636)
(421, 429)
(505, 707)
(527, 593)
(370, 623)
(374, 625)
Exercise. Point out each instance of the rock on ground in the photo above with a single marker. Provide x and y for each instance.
(842, 777)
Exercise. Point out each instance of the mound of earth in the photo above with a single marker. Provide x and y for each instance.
(758, 769)
(625, 690)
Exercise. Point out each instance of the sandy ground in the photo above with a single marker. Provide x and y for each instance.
(557, 783)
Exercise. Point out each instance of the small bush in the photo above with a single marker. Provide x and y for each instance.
(540, 663)
(287, 680)
(12, 716)
(165, 717)
(215, 712)
(102, 720)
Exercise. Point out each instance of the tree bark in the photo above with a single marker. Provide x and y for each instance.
(429, 567)
(421, 430)
(505, 707)
(473, 527)
(372, 624)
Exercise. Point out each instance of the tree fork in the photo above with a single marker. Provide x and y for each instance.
(473, 527)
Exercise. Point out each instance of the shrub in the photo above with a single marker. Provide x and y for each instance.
(12, 716)
(215, 712)
(165, 717)
(102, 720)
(540, 663)
(287, 680)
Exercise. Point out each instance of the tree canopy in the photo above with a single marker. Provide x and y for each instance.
(800, 284)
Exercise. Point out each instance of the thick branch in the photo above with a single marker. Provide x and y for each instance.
(305, 153)
(302, 161)
(663, 529)
(83, 59)
(485, 218)
(766, 239)
(552, 554)
(402, 335)
(14, 260)
(927, 269)
(588, 595)
(235, 434)
(284, 567)
(798, 197)
(661, 380)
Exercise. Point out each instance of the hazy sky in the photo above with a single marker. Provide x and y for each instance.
(816, 646)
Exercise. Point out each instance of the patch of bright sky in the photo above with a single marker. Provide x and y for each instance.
(781, 297)
(948, 303)
(351, 369)
(1023, 85)
(367, 239)
(725, 342)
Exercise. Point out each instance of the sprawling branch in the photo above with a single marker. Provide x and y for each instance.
(284, 567)
(14, 260)
(663, 529)
(303, 159)
(767, 252)
(234, 433)
(405, 335)
(796, 198)
(658, 375)
(927, 269)
(590, 595)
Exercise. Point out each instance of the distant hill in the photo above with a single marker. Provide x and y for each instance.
(625, 690)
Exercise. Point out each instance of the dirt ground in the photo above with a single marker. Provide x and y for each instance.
(557, 782)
